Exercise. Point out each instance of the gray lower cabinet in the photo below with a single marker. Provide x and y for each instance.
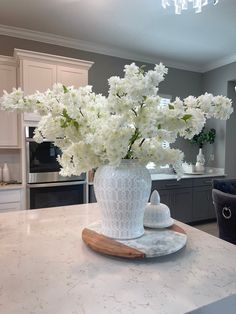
(203, 207)
(165, 197)
(181, 206)
(177, 195)
(200, 202)
(189, 200)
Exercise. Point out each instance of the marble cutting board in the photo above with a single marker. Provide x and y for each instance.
(154, 242)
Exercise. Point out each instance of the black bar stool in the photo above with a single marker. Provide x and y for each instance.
(224, 200)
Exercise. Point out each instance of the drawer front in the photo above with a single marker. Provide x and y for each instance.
(171, 184)
(204, 181)
(10, 196)
(5, 207)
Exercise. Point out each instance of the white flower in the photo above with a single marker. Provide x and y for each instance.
(92, 130)
(131, 70)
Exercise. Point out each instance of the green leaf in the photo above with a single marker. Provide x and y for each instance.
(65, 89)
(171, 106)
(76, 124)
(203, 137)
(141, 69)
(186, 117)
(67, 120)
(63, 123)
(65, 114)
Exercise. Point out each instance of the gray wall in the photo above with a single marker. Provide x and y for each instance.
(218, 82)
(179, 83)
(230, 143)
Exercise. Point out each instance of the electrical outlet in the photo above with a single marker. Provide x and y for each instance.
(212, 157)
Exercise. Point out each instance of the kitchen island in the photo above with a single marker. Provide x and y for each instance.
(47, 269)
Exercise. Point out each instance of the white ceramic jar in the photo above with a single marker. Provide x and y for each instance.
(157, 215)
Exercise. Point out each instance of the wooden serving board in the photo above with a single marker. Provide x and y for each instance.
(154, 242)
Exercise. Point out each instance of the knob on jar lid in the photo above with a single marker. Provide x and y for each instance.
(157, 215)
(155, 198)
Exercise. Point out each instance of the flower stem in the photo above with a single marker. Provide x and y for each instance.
(134, 137)
(141, 143)
(134, 111)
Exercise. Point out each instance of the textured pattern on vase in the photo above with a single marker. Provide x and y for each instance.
(122, 194)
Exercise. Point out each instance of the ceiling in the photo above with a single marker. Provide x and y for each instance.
(135, 29)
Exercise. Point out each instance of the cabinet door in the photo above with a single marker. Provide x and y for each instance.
(72, 76)
(8, 120)
(200, 203)
(37, 76)
(165, 197)
(165, 194)
(181, 204)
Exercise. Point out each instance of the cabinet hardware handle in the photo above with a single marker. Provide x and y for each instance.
(208, 181)
(53, 184)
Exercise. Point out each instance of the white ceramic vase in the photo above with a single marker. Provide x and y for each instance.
(5, 173)
(200, 164)
(122, 194)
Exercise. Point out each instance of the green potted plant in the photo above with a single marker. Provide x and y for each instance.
(205, 136)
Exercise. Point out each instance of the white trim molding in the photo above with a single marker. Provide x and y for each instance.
(53, 59)
(220, 63)
(8, 60)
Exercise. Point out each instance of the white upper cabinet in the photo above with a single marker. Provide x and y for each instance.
(9, 121)
(39, 71)
(71, 76)
(37, 76)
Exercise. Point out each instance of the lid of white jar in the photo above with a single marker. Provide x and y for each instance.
(157, 214)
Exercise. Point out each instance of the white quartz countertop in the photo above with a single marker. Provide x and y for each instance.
(47, 269)
(207, 174)
(15, 186)
(215, 172)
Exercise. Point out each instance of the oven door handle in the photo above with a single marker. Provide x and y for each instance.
(51, 184)
(28, 139)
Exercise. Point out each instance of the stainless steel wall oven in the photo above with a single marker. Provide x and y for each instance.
(46, 187)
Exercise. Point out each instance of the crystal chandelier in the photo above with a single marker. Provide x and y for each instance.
(183, 4)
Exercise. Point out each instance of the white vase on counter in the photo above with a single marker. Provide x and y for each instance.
(122, 193)
(5, 173)
(200, 164)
